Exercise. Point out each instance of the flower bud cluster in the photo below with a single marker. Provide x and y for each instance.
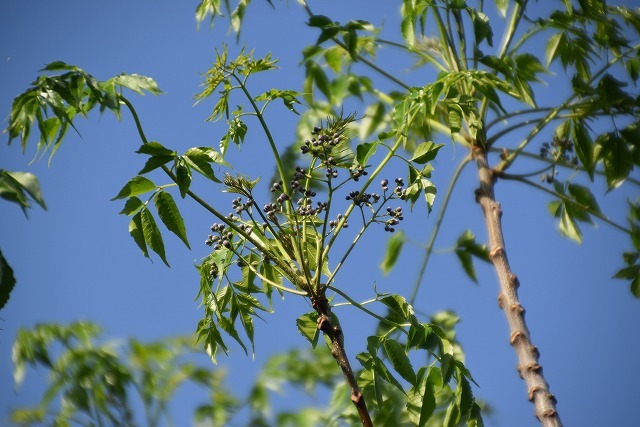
(221, 239)
(238, 206)
(320, 142)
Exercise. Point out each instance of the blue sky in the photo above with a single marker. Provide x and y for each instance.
(77, 261)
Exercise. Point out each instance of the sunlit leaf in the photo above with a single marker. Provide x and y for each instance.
(136, 186)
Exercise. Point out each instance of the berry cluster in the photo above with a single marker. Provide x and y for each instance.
(560, 149)
(396, 217)
(360, 199)
(357, 171)
(334, 222)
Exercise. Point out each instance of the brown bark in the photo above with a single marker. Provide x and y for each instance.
(334, 333)
(528, 367)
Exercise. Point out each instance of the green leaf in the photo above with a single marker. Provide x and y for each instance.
(426, 152)
(466, 247)
(422, 402)
(132, 205)
(364, 151)
(138, 83)
(170, 215)
(482, 27)
(7, 281)
(408, 32)
(394, 247)
(154, 148)
(319, 21)
(151, 233)
(583, 197)
(135, 230)
(308, 326)
(616, 156)
(155, 162)
(399, 305)
(399, 360)
(136, 185)
(183, 176)
(502, 6)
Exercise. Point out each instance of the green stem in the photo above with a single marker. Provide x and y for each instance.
(366, 310)
(267, 132)
(436, 229)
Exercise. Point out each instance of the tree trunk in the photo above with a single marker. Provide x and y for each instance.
(528, 367)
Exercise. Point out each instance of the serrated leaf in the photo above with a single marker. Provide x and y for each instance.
(308, 326)
(399, 360)
(151, 233)
(135, 230)
(422, 402)
(7, 281)
(364, 151)
(394, 247)
(183, 176)
(426, 152)
(170, 215)
(136, 185)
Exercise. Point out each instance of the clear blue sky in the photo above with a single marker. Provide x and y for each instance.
(77, 261)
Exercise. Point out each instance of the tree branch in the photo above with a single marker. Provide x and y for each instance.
(528, 367)
(334, 333)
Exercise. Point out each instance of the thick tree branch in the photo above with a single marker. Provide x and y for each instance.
(528, 367)
(334, 333)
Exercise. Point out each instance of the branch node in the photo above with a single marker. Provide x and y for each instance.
(513, 279)
(533, 390)
(517, 308)
(355, 398)
(498, 250)
(515, 336)
(501, 300)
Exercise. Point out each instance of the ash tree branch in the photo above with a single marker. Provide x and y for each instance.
(529, 368)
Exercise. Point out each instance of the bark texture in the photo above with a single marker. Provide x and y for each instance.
(334, 333)
(528, 367)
